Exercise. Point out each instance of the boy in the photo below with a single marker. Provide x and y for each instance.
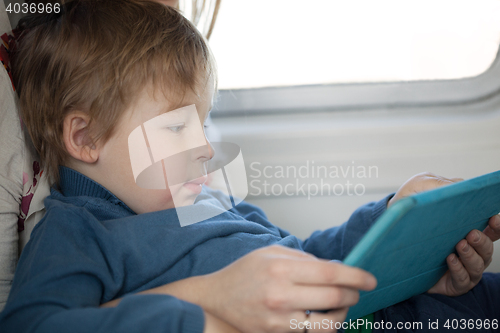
(87, 78)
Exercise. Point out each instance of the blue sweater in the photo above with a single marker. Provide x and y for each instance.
(91, 248)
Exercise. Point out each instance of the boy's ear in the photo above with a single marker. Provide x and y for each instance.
(77, 139)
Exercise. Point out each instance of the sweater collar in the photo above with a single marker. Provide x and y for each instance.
(74, 184)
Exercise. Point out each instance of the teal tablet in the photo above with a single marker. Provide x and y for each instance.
(406, 248)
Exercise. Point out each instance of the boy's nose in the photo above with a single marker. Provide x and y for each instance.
(207, 153)
(211, 151)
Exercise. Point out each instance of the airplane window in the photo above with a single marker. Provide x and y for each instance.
(264, 43)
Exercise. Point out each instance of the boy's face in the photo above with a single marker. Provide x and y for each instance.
(180, 178)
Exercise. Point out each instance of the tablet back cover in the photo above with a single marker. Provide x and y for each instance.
(406, 248)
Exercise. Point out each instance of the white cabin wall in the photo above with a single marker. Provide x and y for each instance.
(453, 141)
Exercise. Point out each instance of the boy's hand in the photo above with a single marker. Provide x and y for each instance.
(475, 252)
(420, 183)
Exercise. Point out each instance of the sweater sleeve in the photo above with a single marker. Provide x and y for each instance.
(68, 269)
(337, 242)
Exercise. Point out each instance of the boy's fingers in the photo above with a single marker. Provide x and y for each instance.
(492, 231)
(330, 273)
(471, 260)
(456, 180)
(459, 276)
(438, 181)
(482, 245)
(428, 181)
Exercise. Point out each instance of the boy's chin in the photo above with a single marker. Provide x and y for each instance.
(156, 200)
(185, 194)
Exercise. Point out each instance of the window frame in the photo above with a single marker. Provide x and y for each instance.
(345, 96)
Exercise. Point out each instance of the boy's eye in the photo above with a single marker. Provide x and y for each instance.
(177, 127)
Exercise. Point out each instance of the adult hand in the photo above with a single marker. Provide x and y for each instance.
(269, 289)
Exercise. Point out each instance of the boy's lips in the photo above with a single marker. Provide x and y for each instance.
(195, 185)
(198, 181)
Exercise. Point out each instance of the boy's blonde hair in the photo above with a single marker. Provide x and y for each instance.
(96, 56)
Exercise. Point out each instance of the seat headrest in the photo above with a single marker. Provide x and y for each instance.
(4, 19)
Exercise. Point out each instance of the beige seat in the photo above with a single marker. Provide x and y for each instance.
(22, 190)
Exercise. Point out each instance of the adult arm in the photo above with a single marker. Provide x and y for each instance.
(269, 289)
